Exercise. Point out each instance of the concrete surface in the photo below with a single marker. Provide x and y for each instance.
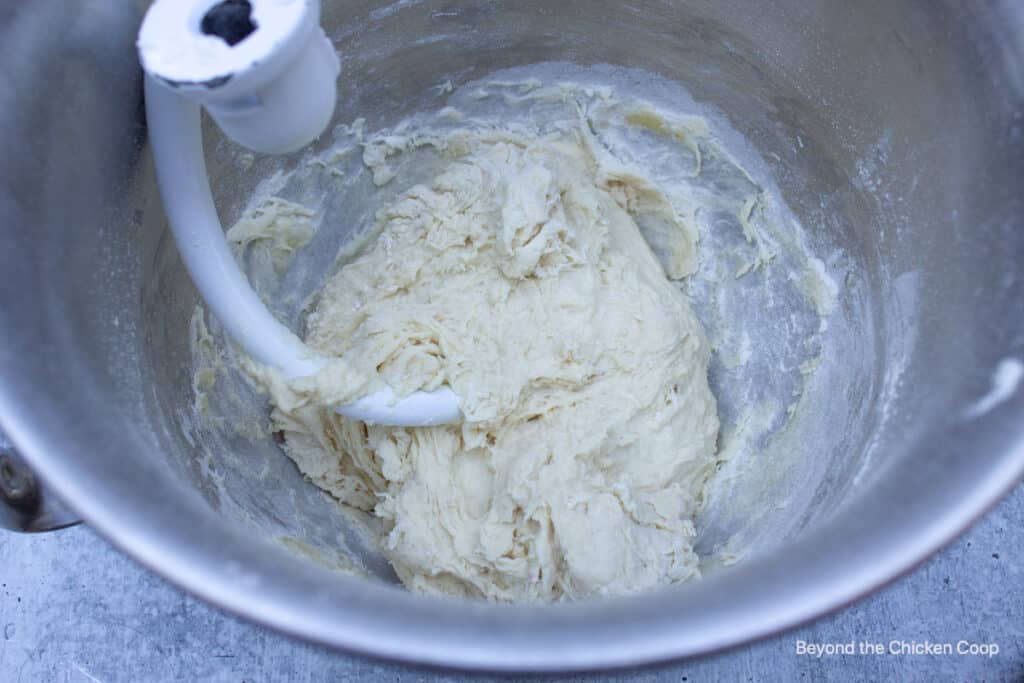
(74, 609)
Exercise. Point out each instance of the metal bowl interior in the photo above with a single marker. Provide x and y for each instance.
(910, 154)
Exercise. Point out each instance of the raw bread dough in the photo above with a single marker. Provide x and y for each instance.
(518, 277)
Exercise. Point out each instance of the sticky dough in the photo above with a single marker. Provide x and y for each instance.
(518, 277)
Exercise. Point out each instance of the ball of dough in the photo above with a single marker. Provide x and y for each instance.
(518, 277)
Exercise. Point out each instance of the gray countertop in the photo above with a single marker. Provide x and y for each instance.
(74, 609)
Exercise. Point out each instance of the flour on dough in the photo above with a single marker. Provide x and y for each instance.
(518, 277)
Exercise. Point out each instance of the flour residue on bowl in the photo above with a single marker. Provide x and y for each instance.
(722, 241)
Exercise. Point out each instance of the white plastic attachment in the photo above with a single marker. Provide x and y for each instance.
(176, 141)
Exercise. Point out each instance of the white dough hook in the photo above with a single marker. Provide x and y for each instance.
(266, 72)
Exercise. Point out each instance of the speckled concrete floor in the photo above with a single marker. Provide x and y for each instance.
(74, 609)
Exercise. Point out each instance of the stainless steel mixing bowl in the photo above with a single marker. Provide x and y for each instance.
(909, 123)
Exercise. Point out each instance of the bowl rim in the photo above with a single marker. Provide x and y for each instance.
(877, 536)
